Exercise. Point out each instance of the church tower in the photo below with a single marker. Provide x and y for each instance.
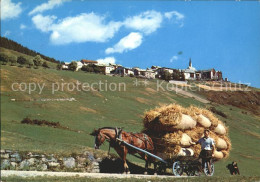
(190, 64)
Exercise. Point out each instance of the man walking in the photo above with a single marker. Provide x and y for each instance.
(207, 149)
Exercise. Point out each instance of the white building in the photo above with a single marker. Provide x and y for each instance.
(190, 72)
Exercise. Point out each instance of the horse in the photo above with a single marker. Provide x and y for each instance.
(139, 140)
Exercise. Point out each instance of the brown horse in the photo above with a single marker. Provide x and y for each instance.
(139, 140)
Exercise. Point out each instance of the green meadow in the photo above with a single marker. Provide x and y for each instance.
(82, 111)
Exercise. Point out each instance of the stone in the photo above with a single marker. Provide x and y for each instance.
(2, 151)
(81, 160)
(8, 151)
(5, 156)
(95, 163)
(13, 165)
(24, 165)
(52, 159)
(16, 157)
(44, 159)
(32, 161)
(91, 157)
(53, 164)
(42, 167)
(69, 162)
(5, 164)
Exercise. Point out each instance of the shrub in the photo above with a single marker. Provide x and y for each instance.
(22, 60)
(37, 60)
(13, 60)
(59, 66)
(30, 63)
(45, 65)
(4, 59)
(73, 66)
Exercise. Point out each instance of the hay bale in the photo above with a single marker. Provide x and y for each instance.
(172, 128)
(227, 140)
(186, 152)
(220, 129)
(173, 138)
(196, 149)
(186, 122)
(197, 111)
(185, 140)
(168, 118)
(204, 121)
(225, 153)
(195, 133)
(221, 144)
(218, 155)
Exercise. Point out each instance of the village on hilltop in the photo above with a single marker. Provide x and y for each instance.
(165, 73)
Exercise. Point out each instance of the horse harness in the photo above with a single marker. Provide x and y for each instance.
(144, 139)
(118, 135)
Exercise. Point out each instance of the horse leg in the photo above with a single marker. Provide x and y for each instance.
(155, 168)
(146, 164)
(124, 159)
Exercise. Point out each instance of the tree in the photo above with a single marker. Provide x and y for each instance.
(166, 76)
(30, 63)
(21, 60)
(59, 66)
(45, 64)
(4, 58)
(73, 66)
(37, 60)
(87, 68)
(13, 60)
(177, 75)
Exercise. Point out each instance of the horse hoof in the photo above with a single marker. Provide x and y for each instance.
(145, 173)
(128, 172)
(124, 172)
(155, 174)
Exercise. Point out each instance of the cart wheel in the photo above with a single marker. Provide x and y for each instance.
(206, 170)
(177, 169)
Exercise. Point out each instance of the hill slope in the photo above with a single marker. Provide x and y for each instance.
(82, 111)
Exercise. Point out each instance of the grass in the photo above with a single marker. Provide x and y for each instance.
(10, 52)
(154, 179)
(94, 109)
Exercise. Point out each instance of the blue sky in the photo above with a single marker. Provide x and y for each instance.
(222, 35)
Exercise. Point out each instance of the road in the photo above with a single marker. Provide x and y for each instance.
(6, 173)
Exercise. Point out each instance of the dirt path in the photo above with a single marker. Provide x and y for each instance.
(6, 173)
(191, 95)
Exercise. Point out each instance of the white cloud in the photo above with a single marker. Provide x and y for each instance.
(22, 26)
(129, 42)
(7, 33)
(47, 6)
(178, 17)
(43, 23)
(91, 27)
(174, 58)
(82, 28)
(170, 14)
(10, 10)
(146, 22)
(107, 60)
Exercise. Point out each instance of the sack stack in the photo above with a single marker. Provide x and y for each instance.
(173, 127)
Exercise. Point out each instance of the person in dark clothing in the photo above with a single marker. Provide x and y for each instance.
(233, 168)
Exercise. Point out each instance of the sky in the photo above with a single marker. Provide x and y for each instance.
(224, 35)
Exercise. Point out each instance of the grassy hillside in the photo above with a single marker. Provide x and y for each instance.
(96, 108)
(10, 52)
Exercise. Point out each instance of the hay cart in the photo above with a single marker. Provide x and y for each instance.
(188, 164)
